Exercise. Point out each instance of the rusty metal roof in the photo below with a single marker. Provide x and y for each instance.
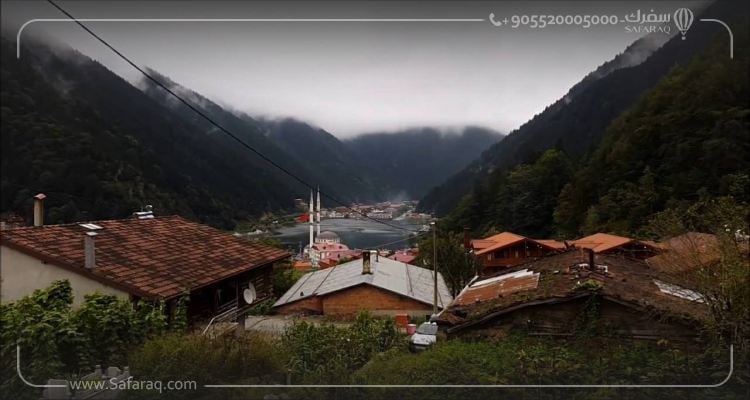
(622, 279)
(498, 286)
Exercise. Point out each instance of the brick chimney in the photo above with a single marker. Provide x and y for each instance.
(39, 209)
(366, 267)
(89, 243)
(467, 239)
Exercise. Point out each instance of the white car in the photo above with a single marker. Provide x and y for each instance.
(424, 337)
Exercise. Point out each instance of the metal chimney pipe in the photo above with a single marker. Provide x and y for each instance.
(366, 267)
(89, 243)
(39, 209)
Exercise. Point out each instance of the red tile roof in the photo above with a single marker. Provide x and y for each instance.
(157, 258)
(555, 244)
(501, 240)
(403, 257)
(600, 242)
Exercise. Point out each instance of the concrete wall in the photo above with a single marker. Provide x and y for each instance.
(21, 274)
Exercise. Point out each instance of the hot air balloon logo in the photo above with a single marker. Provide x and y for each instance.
(683, 18)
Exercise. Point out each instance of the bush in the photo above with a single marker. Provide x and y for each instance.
(522, 360)
(248, 359)
(58, 341)
(328, 354)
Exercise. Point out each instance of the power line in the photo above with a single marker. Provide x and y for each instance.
(416, 236)
(216, 124)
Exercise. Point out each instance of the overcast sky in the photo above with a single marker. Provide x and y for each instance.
(352, 77)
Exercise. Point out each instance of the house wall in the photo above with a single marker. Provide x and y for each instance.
(21, 274)
(366, 297)
(205, 302)
(347, 303)
(310, 305)
(510, 256)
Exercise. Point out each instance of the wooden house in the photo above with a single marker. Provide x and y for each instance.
(565, 294)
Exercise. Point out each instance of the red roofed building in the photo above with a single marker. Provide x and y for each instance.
(604, 243)
(404, 256)
(508, 249)
(155, 258)
(547, 296)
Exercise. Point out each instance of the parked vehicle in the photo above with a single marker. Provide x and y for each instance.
(424, 337)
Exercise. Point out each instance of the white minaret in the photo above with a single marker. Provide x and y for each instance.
(317, 215)
(311, 221)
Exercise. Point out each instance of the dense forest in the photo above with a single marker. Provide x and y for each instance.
(101, 147)
(413, 161)
(686, 141)
(578, 120)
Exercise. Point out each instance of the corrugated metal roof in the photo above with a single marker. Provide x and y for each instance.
(405, 279)
(501, 285)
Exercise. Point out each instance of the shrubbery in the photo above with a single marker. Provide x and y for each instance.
(329, 353)
(58, 341)
(247, 359)
(519, 360)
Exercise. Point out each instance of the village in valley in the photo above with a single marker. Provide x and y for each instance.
(226, 286)
(391, 200)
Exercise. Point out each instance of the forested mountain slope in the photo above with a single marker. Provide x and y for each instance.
(577, 122)
(685, 142)
(415, 160)
(100, 148)
(333, 163)
(310, 153)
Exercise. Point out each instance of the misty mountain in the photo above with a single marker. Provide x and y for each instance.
(577, 121)
(331, 162)
(376, 166)
(101, 148)
(310, 153)
(413, 161)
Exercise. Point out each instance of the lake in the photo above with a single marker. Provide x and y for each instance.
(355, 233)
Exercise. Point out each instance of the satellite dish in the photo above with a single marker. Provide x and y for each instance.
(249, 294)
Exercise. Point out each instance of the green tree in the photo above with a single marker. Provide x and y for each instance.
(454, 262)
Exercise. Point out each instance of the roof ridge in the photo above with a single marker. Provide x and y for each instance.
(408, 278)
(95, 221)
(322, 280)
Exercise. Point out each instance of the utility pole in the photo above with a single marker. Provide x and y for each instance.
(434, 268)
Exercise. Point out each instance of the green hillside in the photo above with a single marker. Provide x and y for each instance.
(686, 140)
